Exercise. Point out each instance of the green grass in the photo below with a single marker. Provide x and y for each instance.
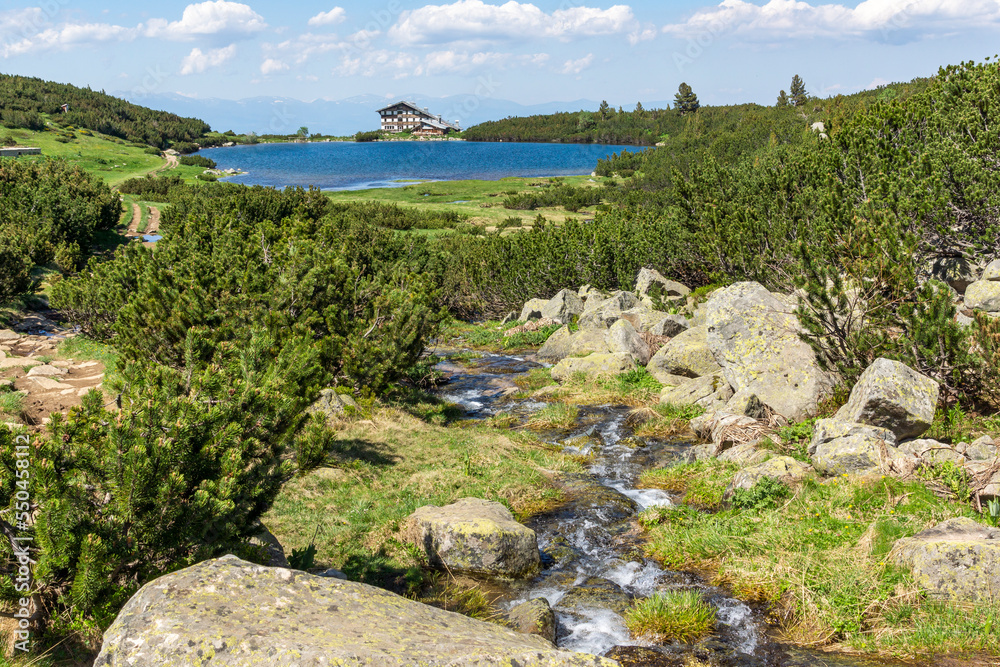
(386, 466)
(820, 557)
(555, 415)
(663, 420)
(672, 616)
(85, 349)
(490, 335)
(105, 157)
(482, 200)
(12, 403)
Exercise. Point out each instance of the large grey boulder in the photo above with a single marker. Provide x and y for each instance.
(957, 272)
(828, 430)
(839, 447)
(558, 346)
(532, 310)
(983, 295)
(710, 392)
(670, 290)
(564, 344)
(622, 338)
(644, 318)
(563, 307)
(601, 314)
(686, 354)
(892, 395)
(233, 613)
(958, 559)
(671, 325)
(756, 341)
(593, 366)
(534, 617)
(782, 468)
(474, 536)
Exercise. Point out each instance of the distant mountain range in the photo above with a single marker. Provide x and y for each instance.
(285, 115)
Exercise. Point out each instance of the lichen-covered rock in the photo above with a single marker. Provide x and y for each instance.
(595, 592)
(332, 404)
(755, 339)
(475, 536)
(743, 455)
(669, 379)
(558, 346)
(782, 468)
(644, 318)
(532, 310)
(564, 344)
(671, 325)
(827, 430)
(534, 617)
(981, 449)
(932, 451)
(686, 354)
(622, 338)
(669, 289)
(601, 314)
(991, 271)
(957, 272)
(958, 559)
(856, 453)
(563, 307)
(233, 613)
(592, 366)
(710, 392)
(892, 395)
(587, 291)
(983, 295)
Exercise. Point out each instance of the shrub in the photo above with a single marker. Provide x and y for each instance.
(197, 161)
(672, 616)
(765, 494)
(155, 188)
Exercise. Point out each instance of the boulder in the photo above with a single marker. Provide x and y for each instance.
(563, 307)
(474, 536)
(892, 395)
(686, 354)
(991, 271)
(981, 449)
(593, 365)
(668, 380)
(710, 392)
(46, 371)
(509, 317)
(958, 559)
(671, 325)
(782, 468)
(266, 540)
(235, 613)
(983, 295)
(956, 272)
(587, 291)
(7, 335)
(532, 310)
(601, 314)
(644, 318)
(534, 617)
(756, 341)
(827, 430)
(931, 451)
(558, 346)
(669, 289)
(622, 338)
(595, 592)
(332, 404)
(702, 425)
(851, 454)
(744, 455)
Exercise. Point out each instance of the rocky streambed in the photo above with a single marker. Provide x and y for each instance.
(593, 565)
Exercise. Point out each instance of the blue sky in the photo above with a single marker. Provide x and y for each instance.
(528, 52)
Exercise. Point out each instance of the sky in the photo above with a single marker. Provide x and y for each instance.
(528, 52)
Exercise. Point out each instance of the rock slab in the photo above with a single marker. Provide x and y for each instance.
(958, 559)
(474, 536)
(230, 612)
(891, 395)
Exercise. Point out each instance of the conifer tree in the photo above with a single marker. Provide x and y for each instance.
(639, 111)
(604, 110)
(685, 100)
(798, 91)
(782, 99)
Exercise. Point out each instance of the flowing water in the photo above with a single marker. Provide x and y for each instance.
(593, 566)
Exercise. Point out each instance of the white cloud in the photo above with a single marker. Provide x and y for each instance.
(876, 82)
(272, 66)
(305, 46)
(578, 65)
(332, 17)
(197, 62)
(463, 62)
(396, 64)
(797, 19)
(66, 36)
(474, 20)
(218, 17)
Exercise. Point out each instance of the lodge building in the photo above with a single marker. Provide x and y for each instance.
(406, 116)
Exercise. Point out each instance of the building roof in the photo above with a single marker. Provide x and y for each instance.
(440, 124)
(405, 104)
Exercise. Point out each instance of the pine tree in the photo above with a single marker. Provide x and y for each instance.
(782, 99)
(685, 100)
(604, 110)
(798, 91)
(639, 111)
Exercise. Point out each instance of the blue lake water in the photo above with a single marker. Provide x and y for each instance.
(352, 166)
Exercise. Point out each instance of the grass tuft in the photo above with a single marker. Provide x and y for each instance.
(556, 415)
(672, 616)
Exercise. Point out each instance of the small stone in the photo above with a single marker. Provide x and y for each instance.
(983, 295)
(782, 468)
(534, 617)
(333, 574)
(46, 370)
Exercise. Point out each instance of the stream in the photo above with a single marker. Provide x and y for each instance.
(593, 567)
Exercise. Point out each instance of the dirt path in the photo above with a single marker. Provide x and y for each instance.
(133, 227)
(172, 163)
(153, 227)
